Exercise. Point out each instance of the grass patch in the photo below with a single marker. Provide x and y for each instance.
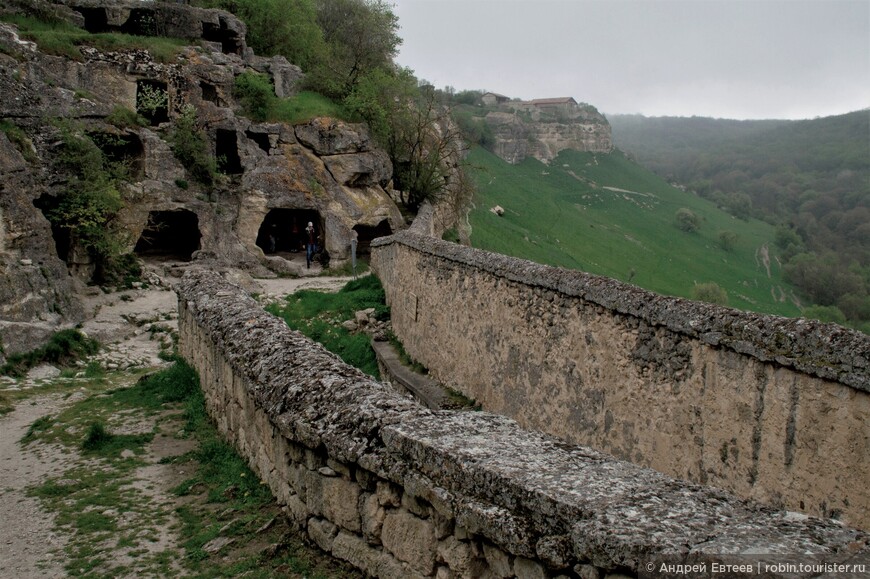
(63, 39)
(64, 348)
(305, 106)
(41, 424)
(319, 315)
(20, 139)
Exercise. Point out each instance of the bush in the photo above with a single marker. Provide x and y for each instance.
(124, 118)
(256, 95)
(190, 146)
(727, 240)
(824, 314)
(710, 292)
(686, 220)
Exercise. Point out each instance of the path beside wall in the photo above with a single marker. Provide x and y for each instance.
(773, 409)
(402, 492)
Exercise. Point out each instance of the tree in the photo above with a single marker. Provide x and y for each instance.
(285, 27)
(360, 36)
(686, 220)
(417, 131)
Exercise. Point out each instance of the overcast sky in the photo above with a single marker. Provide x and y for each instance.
(741, 59)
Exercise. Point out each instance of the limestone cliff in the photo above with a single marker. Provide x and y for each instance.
(273, 177)
(542, 128)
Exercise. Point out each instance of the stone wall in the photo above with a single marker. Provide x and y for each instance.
(769, 408)
(401, 491)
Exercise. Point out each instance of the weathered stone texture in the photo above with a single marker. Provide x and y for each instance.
(771, 408)
(519, 503)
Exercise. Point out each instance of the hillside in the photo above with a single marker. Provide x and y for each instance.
(812, 178)
(604, 214)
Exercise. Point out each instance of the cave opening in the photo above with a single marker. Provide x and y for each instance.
(96, 21)
(262, 140)
(229, 40)
(126, 150)
(365, 234)
(142, 22)
(227, 152)
(152, 101)
(283, 230)
(209, 92)
(170, 235)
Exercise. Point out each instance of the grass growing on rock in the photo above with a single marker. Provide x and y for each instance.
(319, 315)
(64, 348)
(63, 39)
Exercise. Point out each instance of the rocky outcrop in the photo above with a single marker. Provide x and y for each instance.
(326, 171)
(522, 130)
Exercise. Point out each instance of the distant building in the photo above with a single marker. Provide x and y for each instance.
(493, 98)
(561, 103)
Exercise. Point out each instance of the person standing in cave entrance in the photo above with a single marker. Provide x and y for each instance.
(310, 241)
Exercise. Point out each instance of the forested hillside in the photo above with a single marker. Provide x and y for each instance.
(809, 178)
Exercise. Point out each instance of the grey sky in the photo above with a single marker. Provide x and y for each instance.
(720, 58)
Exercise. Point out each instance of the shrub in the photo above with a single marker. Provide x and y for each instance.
(710, 292)
(190, 146)
(727, 240)
(124, 118)
(256, 94)
(686, 220)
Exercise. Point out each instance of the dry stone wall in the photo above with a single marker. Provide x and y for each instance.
(402, 491)
(773, 409)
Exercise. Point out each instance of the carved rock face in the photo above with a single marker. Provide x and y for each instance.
(324, 170)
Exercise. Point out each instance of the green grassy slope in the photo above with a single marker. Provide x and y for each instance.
(607, 215)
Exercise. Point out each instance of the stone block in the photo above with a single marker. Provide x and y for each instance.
(357, 552)
(528, 569)
(411, 540)
(390, 568)
(366, 480)
(297, 510)
(340, 499)
(443, 525)
(322, 532)
(388, 494)
(415, 505)
(460, 557)
(555, 551)
(499, 561)
(587, 571)
(372, 514)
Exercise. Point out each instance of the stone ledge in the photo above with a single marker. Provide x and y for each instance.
(820, 349)
(519, 490)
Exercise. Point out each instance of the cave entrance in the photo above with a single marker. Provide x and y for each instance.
(365, 234)
(230, 42)
(262, 140)
(152, 101)
(227, 152)
(283, 230)
(142, 22)
(96, 20)
(127, 150)
(209, 92)
(170, 235)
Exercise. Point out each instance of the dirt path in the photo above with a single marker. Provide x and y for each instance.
(133, 326)
(29, 547)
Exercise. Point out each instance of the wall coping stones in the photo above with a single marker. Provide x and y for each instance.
(529, 493)
(820, 349)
